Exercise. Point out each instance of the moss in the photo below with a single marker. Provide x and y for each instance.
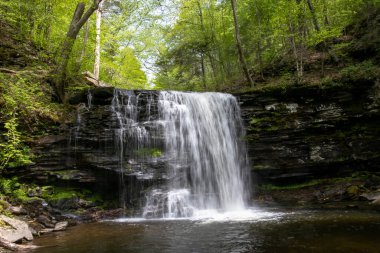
(261, 167)
(55, 193)
(269, 124)
(153, 152)
(254, 121)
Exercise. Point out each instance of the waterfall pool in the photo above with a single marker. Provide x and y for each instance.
(261, 231)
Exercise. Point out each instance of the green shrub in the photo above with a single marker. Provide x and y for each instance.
(13, 152)
(365, 70)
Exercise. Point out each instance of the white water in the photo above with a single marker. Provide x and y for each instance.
(130, 132)
(207, 157)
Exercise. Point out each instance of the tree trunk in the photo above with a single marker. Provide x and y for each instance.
(83, 53)
(312, 11)
(239, 46)
(79, 19)
(202, 50)
(97, 46)
(295, 51)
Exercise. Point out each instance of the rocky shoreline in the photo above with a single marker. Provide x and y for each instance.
(22, 223)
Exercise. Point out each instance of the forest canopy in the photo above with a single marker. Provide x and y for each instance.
(187, 45)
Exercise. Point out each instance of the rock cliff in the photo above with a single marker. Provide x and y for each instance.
(304, 133)
(293, 135)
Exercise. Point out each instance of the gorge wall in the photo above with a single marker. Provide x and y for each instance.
(303, 133)
(293, 135)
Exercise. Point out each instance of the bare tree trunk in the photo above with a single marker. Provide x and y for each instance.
(85, 39)
(238, 44)
(312, 11)
(203, 71)
(202, 53)
(79, 19)
(97, 46)
(259, 43)
(295, 51)
(213, 68)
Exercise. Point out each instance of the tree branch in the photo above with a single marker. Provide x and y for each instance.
(74, 22)
(88, 13)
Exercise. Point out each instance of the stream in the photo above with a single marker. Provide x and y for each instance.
(263, 231)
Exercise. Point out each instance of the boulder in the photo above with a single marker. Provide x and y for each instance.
(46, 230)
(61, 226)
(374, 197)
(14, 229)
(17, 210)
(353, 191)
(65, 203)
(46, 221)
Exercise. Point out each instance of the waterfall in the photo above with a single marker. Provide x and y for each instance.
(130, 135)
(207, 165)
(183, 151)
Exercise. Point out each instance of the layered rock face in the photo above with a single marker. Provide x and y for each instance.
(116, 144)
(107, 148)
(306, 133)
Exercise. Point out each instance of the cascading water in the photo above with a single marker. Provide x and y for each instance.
(183, 151)
(131, 135)
(206, 156)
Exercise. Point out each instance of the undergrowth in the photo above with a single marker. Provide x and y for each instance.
(25, 111)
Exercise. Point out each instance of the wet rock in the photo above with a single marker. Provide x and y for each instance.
(374, 197)
(376, 202)
(61, 226)
(352, 207)
(50, 139)
(36, 228)
(46, 221)
(86, 204)
(46, 230)
(14, 229)
(353, 191)
(17, 210)
(320, 132)
(65, 203)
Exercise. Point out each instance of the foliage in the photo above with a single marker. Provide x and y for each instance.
(46, 22)
(12, 187)
(362, 71)
(13, 152)
(200, 50)
(23, 96)
(24, 107)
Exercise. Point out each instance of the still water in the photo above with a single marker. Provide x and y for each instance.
(274, 231)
